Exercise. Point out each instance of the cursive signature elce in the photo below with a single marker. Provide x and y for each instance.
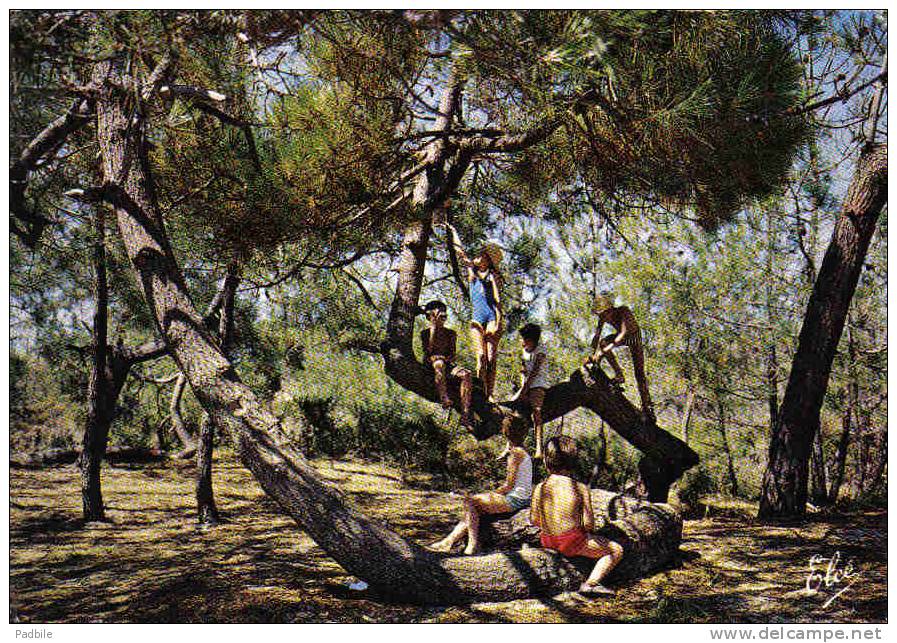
(834, 577)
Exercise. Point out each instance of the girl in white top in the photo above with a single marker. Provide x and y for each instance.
(533, 378)
(512, 495)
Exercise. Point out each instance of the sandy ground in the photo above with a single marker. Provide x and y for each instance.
(151, 564)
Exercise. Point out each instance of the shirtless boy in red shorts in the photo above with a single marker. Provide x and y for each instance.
(562, 508)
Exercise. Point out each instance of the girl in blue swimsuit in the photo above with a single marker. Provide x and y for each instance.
(485, 298)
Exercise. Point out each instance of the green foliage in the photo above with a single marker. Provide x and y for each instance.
(686, 108)
(42, 415)
(696, 483)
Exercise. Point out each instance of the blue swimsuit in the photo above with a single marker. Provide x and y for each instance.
(483, 299)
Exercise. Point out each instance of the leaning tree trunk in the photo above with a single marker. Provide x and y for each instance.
(784, 490)
(650, 533)
(363, 546)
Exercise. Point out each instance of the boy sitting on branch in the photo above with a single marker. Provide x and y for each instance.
(439, 345)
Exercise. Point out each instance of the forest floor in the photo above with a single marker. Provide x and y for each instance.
(150, 563)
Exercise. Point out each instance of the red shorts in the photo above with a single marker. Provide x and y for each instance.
(568, 543)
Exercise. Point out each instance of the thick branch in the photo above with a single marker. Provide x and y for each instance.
(143, 353)
(509, 142)
(50, 139)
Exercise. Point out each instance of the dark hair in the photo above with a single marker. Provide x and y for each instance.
(514, 431)
(560, 453)
(531, 332)
(434, 305)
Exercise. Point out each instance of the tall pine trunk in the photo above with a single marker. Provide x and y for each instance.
(689, 410)
(784, 491)
(841, 456)
(206, 510)
(99, 416)
(730, 462)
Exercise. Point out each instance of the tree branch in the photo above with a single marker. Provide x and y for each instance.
(197, 96)
(142, 353)
(48, 140)
(840, 96)
(509, 142)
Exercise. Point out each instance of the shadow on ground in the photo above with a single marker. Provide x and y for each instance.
(149, 563)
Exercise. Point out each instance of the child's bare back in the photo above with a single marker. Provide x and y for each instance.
(562, 508)
(560, 501)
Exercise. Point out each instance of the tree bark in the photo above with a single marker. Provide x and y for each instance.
(650, 533)
(848, 418)
(689, 409)
(177, 420)
(784, 491)
(109, 372)
(819, 477)
(841, 456)
(99, 416)
(880, 462)
(206, 510)
(730, 464)
(365, 547)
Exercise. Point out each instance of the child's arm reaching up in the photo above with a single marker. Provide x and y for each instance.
(459, 248)
(597, 353)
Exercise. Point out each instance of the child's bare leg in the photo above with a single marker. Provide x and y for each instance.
(537, 429)
(472, 518)
(439, 376)
(638, 365)
(608, 554)
(479, 349)
(456, 534)
(490, 345)
(466, 387)
(482, 503)
(619, 378)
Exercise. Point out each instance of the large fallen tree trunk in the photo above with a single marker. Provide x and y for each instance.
(650, 533)
(390, 564)
(113, 455)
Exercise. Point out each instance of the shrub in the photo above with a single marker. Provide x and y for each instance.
(696, 482)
